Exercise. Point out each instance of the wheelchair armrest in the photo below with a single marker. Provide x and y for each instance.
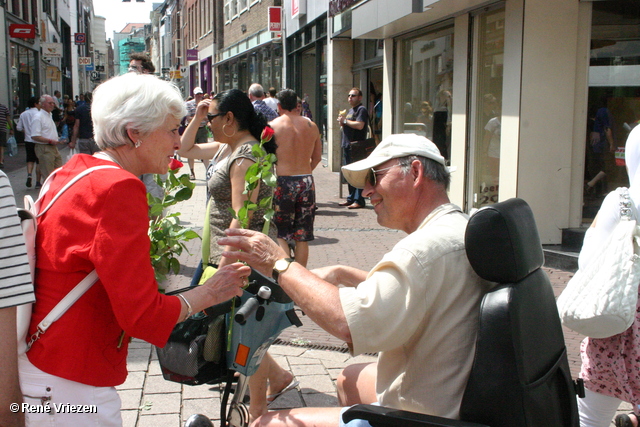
(379, 416)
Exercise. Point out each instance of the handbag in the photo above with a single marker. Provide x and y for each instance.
(12, 147)
(620, 159)
(361, 149)
(600, 300)
(72, 152)
(196, 352)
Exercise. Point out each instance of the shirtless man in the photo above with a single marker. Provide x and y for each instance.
(299, 152)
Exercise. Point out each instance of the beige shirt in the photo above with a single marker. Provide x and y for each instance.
(419, 309)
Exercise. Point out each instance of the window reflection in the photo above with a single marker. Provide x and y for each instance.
(426, 87)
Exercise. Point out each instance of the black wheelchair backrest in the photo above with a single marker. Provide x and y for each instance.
(520, 375)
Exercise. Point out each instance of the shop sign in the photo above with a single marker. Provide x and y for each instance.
(80, 38)
(298, 8)
(23, 31)
(336, 7)
(275, 18)
(51, 50)
(192, 54)
(84, 60)
(53, 73)
(175, 74)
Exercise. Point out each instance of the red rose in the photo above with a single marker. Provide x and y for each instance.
(267, 134)
(175, 164)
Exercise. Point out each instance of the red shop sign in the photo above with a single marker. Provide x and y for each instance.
(23, 31)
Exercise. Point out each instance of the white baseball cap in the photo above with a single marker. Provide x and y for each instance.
(197, 90)
(393, 146)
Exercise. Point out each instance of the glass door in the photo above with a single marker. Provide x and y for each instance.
(614, 98)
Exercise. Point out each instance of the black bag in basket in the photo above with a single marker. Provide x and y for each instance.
(195, 351)
(361, 149)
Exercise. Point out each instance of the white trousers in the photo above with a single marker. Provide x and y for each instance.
(597, 410)
(57, 402)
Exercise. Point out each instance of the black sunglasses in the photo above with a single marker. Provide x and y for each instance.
(213, 116)
(372, 176)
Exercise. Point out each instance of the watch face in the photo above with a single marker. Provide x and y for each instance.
(281, 265)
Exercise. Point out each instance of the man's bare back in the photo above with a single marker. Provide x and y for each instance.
(299, 146)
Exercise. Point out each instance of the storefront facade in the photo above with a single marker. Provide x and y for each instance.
(503, 88)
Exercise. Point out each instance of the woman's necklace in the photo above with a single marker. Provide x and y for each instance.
(106, 156)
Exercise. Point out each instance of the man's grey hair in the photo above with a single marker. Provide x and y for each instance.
(44, 97)
(256, 90)
(139, 102)
(431, 169)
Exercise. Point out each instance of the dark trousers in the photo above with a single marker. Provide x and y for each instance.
(355, 194)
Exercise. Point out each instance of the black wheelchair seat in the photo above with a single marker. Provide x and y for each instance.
(520, 375)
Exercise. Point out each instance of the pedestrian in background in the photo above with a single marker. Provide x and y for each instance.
(45, 137)
(299, 152)
(354, 128)
(24, 125)
(82, 133)
(202, 134)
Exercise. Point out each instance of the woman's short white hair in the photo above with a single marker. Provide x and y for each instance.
(132, 101)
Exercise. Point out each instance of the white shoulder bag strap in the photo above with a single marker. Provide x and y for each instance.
(85, 283)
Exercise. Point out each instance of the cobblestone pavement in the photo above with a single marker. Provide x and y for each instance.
(349, 237)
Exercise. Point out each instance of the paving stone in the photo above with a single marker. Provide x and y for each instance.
(164, 420)
(292, 399)
(129, 418)
(135, 379)
(130, 398)
(138, 359)
(157, 384)
(163, 403)
(208, 407)
(302, 370)
(317, 384)
(199, 392)
(320, 400)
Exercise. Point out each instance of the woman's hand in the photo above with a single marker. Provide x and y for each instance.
(228, 282)
(255, 248)
(202, 109)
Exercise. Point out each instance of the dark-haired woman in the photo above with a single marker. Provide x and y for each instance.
(236, 128)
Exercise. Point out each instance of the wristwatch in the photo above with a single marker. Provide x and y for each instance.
(281, 266)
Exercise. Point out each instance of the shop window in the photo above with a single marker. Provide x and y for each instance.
(230, 9)
(25, 10)
(614, 98)
(486, 115)
(425, 80)
(15, 7)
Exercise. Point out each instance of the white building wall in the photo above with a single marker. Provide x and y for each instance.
(547, 137)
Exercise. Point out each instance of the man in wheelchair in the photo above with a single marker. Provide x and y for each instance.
(418, 307)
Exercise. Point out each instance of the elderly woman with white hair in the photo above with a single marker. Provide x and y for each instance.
(101, 223)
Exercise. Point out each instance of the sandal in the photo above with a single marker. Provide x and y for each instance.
(623, 420)
(293, 384)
